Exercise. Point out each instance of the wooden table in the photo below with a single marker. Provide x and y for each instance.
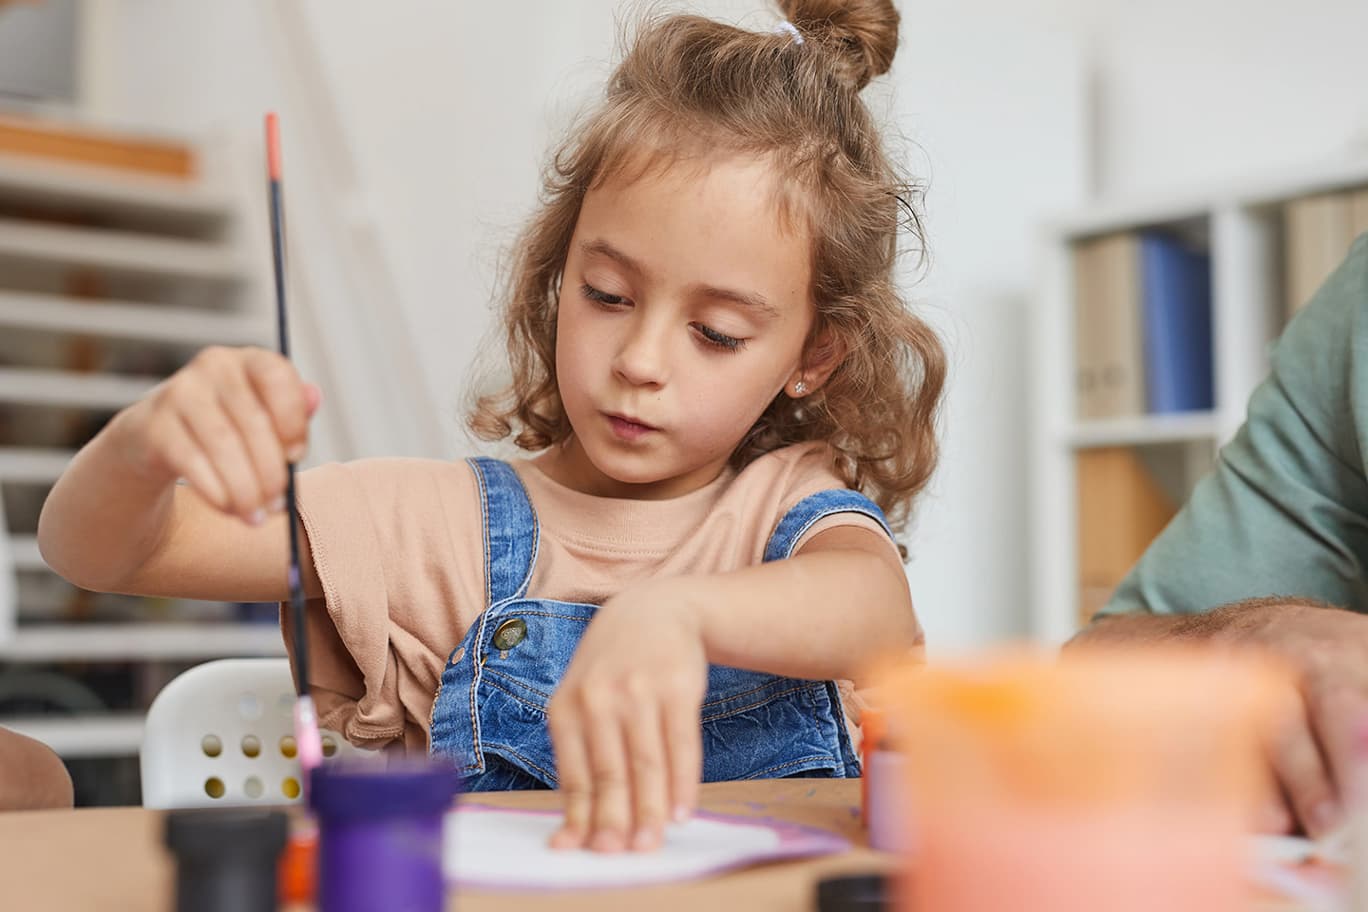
(112, 858)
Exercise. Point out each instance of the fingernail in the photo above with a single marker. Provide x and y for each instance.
(297, 452)
(681, 814)
(276, 505)
(1324, 817)
(1273, 818)
(257, 517)
(606, 842)
(645, 840)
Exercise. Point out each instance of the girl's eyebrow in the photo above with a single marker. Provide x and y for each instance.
(603, 248)
(749, 299)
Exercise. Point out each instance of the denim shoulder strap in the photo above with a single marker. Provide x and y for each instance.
(814, 507)
(511, 534)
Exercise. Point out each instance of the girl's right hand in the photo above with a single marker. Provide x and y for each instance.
(227, 423)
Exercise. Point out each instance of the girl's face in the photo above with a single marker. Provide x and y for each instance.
(683, 312)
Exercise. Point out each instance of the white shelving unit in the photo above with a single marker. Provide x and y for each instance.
(144, 256)
(141, 641)
(24, 553)
(94, 735)
(1148, 429)
(31, 465)
(144, 196)
(128, 320)
(35, 386)
(1244, 224)
(181, 271)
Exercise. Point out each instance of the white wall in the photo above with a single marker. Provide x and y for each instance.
(450, 107)
(1189, 91)
(1199, 91)
(997, 110)
(38, 52)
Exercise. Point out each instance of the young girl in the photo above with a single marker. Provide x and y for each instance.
(709, 356)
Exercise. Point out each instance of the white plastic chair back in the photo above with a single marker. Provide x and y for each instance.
(222, 733)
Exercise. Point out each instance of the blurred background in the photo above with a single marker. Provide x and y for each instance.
(1124, 202)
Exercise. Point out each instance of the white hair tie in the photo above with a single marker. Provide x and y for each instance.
(788, 28)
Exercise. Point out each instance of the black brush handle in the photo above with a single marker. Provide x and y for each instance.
(283, 333)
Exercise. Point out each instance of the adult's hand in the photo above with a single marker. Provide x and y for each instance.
(1327, 648)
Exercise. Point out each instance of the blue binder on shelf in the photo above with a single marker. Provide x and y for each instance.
(1175, 309)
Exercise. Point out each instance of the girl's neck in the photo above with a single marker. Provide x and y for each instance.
(568, 465)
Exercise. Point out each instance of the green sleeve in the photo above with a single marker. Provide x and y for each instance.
(1285, 512)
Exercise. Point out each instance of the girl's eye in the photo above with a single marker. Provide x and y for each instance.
(602, 297)
(711, 337)
(719, 340)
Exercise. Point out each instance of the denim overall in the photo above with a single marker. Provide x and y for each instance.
(489, 715)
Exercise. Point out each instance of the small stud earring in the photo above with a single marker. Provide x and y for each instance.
(799, 388)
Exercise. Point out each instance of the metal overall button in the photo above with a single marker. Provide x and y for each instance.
(509, 634)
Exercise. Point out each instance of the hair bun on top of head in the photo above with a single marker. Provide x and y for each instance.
(862, 34)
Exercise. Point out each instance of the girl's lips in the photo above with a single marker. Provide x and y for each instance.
(627, 429)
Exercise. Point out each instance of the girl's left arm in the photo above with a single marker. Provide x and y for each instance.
(835, 608)
(624, 720)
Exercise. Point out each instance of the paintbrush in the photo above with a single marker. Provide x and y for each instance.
(310, 745)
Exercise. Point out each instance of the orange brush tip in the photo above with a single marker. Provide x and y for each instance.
(273, 145)
(296, 872)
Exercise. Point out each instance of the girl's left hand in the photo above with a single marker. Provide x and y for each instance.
(625, 722)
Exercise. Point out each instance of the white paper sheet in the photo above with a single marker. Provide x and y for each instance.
(503, 849)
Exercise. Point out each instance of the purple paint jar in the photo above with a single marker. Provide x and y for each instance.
(380, 835)
(886, 811)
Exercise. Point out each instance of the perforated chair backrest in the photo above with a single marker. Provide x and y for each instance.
(222, 733)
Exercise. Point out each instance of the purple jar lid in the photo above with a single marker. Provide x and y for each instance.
(404, 788)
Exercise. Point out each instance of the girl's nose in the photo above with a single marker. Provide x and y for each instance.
(642, 358)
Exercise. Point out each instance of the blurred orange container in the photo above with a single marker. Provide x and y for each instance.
(1122, 781)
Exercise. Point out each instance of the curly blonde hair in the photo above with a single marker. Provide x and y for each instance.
(693, 86)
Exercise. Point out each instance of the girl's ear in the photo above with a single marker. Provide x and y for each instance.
(824, 353)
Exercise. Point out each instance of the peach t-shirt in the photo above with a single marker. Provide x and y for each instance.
(398, 545)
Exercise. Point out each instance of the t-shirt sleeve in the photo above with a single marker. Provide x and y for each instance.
(1284, 512)
(399, 584)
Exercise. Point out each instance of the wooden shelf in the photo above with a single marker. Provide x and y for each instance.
(92, 145)
(133, 320)
(90, 187)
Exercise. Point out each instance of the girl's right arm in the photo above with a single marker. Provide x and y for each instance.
(118, 521)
